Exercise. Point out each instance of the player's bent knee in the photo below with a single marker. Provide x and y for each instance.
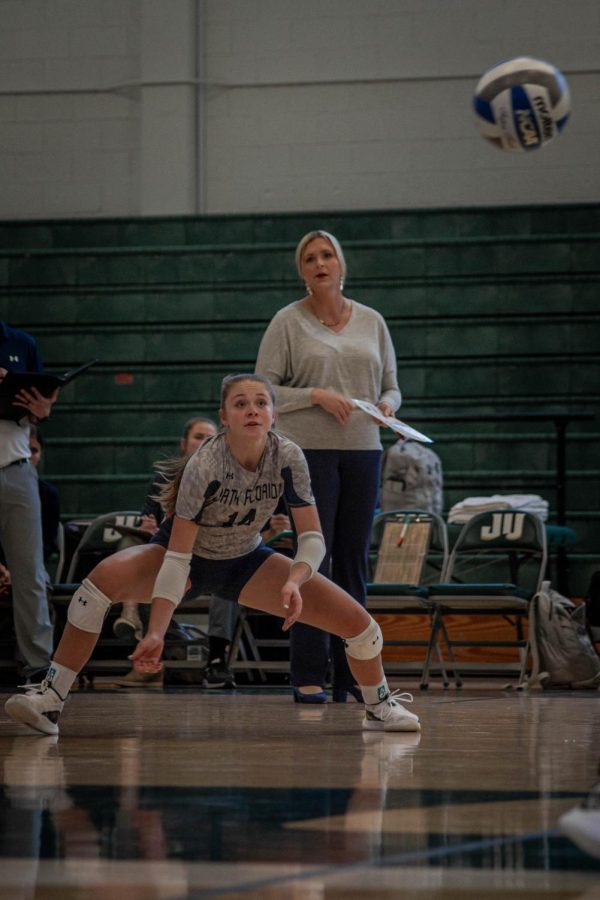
(88, 608)
(367, 644)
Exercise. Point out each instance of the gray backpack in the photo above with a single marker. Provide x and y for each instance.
(561, 650)
(411, 478)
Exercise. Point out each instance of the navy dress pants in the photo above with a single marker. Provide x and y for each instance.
(346, 486)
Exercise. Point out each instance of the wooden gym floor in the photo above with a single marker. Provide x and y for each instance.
(188, 793)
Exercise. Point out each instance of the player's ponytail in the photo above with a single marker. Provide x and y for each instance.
(171, 470)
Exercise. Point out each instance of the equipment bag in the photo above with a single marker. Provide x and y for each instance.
(592, 604)
(562, 653)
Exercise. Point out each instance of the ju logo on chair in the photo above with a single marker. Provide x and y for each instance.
(507, 525)
(109, 535)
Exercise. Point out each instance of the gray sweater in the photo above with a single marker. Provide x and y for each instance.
(299, 354)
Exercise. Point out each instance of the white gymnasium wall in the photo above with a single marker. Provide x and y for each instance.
(305, 104)
(345, 104)
(97, 107)
(65, 149)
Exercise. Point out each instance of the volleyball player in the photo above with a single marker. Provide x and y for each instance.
(216, 502)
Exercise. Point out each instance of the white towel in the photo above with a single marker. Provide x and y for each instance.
(463, 510)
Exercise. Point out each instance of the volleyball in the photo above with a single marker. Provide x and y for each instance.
(522, 103)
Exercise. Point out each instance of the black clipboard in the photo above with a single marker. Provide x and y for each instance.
(13, 382)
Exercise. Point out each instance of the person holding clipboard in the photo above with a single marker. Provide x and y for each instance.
(20, 513)
(320, 352)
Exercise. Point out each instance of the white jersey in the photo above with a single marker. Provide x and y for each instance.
(232, 504)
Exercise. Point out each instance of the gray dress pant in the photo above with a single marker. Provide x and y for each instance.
(21, 539)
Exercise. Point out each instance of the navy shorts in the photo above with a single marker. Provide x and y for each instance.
(224, 577)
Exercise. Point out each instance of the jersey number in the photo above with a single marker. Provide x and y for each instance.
(247, 520)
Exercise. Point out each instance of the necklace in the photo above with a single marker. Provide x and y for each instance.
(336, 323)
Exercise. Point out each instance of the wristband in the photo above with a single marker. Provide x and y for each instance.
(311, 550)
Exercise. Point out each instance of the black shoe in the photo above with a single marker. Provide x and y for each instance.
(340, 695)
(218, 675)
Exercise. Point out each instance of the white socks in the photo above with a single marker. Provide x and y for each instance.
(61, 679)
(375, 694)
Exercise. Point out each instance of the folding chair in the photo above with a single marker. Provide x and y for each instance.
(98, 540)
(507, 548)
(57, 560)
(411, 547)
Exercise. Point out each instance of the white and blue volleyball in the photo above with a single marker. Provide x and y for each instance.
(522, 103)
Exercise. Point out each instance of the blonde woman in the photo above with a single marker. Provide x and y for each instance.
(319, 353)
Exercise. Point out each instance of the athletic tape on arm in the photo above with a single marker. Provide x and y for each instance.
(172, 578)
(367, 644)
(88, 608)
(311, 550)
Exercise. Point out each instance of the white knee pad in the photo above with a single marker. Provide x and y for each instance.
(88, 608)
(367, 644)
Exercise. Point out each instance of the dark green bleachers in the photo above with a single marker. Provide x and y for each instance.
(463, 258)
(490, 310)
(287, 227)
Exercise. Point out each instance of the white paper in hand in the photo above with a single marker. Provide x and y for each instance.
(395, 424)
